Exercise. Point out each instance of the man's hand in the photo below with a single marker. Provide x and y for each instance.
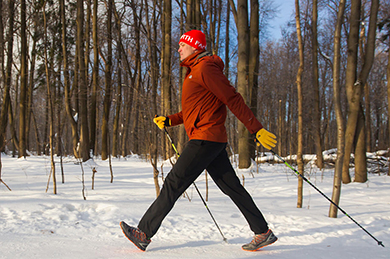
(162, 121)
(266, 138)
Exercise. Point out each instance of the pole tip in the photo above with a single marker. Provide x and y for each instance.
(381, 244)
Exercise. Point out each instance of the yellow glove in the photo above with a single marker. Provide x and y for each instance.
(266, 138)
(162, 121)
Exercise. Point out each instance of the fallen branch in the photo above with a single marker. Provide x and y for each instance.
(1, 180)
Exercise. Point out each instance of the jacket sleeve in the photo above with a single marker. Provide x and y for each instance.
(215, 81)
(176, 118)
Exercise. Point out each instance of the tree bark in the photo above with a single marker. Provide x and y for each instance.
(68, 106)
(166, 66)
(352, 60)
(242, 80)
(151, 30)
(95, 77)
(253, 66)
(338, 110)
(388, 95)
(23, 81)
(316, 104)
(355, 124)
(30, 89)
(300, 106)
(107, 93)
(84, 131)
(2, 70)
(8, 75)
(50, 103)
(118, 98)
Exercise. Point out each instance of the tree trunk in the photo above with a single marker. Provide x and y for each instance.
(87, 42)
(37, 140)
(300, 106)
(12, 128)
(107, 94)
(242, 80)
(253, 68)
(58, 106)
(388, 96)
(338, 110)
(352, 60)
(23, 81)
(31, 87)
(118, 98)
(68, 106)
(368, 117)
(355, 123)
(227, 42)
(8, 76)
(360, 149)
(166, 66)
(50, 103)
(316, 104)
(151, 29)
(83, 101)
(95, 77)
(138, 81)
(2, 70)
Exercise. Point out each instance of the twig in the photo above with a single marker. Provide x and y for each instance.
(82, 179)
(1, 180)
(93, 177)
(109, 162)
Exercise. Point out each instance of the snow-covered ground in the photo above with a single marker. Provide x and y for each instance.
(36, 224)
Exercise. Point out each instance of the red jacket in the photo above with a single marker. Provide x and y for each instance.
(206, 93)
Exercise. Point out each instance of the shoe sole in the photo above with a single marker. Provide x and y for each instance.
(122, 225)
(257, 249)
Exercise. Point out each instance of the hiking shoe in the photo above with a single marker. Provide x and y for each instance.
(136, 236)
(260, 240)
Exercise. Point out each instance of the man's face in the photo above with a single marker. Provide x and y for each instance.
(185, 50)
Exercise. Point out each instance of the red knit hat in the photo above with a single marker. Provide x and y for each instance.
(195, 39)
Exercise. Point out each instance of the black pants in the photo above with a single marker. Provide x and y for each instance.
(197, 156)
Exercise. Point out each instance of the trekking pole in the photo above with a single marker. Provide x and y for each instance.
(196, 187)
(318, 190)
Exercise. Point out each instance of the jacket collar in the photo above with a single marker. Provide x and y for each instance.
(194, 58)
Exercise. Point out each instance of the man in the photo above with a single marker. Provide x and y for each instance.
(206, 93)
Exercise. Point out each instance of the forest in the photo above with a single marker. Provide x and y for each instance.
(86, 78)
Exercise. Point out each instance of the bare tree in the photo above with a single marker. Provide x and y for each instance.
(95, 77)
(300, 104)
(316, 104)
(166, 64)
(30, 90)
(84, 132)
(68, 106)
(253, 65)
(6, 94)
(338, 110)
(1, 180)
(241, 18)
(50, 102)
(151, 32)
(118, 96)
(388, 90)
(355, 83)
(23, 81)
(2, 71)
(108, 82)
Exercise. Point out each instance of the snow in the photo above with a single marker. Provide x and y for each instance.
(36, 224)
